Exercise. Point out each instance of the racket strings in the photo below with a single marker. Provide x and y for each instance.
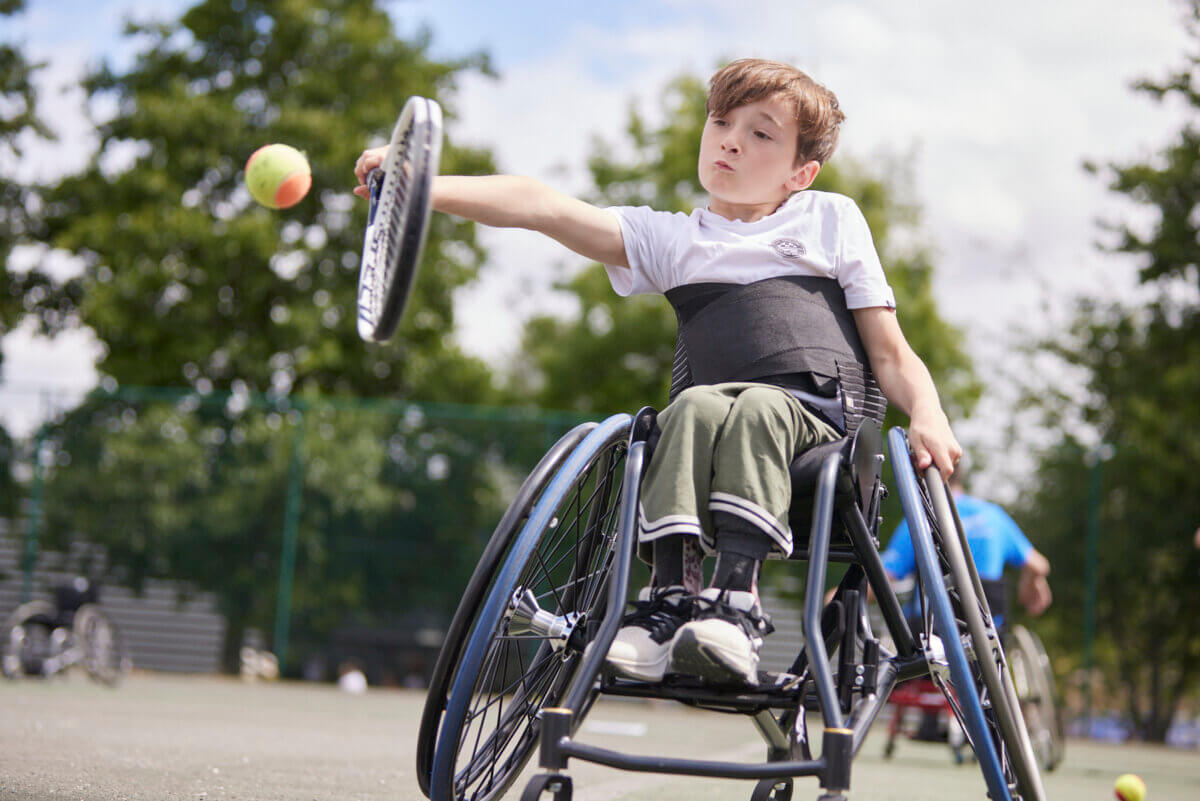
(394, 210)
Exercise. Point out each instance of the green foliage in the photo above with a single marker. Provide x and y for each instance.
(1141, 367)
(19, 292)
(8, 483)
(28, 290)
(616, 353)
(1144, 368)
(187, 282)
(1171, 183)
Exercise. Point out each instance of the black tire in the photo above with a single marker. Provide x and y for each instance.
(101, 645)
(510, 524)
(28, 641)
(562, 558)
(993, 681)
(1033, 679)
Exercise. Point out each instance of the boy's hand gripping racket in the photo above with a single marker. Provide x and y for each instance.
(398, 218)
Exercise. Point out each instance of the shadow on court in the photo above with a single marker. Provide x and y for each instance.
(171, 737)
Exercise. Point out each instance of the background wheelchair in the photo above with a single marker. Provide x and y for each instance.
(43, 639)
(920, 711)
(516, 672)
(1033, 681)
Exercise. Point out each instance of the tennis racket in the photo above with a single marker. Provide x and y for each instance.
(398, 218)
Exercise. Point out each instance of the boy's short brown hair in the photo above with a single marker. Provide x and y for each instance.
(752, 79)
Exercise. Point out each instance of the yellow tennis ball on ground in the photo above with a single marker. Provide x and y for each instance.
(278, 176)
(1129, 788)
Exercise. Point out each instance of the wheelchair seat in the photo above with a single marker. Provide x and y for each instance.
(859, 479)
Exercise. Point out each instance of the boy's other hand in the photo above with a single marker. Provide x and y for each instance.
(369, 160)
(933, 442)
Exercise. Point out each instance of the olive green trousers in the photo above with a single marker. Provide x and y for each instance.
(726, 448)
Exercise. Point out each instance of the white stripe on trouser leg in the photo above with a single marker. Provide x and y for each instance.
(754, 514)
(649, 531)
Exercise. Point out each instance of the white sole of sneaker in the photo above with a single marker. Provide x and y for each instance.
(651, 672)
(640, 671)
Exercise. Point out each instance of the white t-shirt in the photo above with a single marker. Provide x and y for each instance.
(812, 233)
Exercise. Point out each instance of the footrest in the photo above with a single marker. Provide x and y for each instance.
(773, 690)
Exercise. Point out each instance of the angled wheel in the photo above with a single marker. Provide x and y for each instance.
(1033, 679)
(966, 658)
(529, 633)
(28, 640)
(986, 652)
(100, 644)
(468, 610)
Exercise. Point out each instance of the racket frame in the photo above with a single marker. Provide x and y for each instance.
(386, 274)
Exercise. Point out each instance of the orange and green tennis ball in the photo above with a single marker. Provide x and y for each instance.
(278, 176)
(1129, 788)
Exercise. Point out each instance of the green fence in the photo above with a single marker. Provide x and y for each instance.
(334, 526)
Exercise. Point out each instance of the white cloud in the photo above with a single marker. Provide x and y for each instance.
(42, 377)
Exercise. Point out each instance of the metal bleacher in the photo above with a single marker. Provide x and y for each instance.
(164, 627)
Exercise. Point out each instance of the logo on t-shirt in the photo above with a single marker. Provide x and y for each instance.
(789, 248)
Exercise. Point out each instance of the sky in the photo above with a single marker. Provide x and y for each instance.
(992, 110)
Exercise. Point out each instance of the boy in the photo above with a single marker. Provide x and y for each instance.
(776, 289)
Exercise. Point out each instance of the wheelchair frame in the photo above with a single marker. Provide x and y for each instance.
(557, 685)
(63, 638)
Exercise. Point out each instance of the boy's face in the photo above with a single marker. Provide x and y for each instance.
(748, 156)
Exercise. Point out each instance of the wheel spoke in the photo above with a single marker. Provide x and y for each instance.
(510, 688)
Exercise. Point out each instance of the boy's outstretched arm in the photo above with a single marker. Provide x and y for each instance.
(906, 382)
(510, 201)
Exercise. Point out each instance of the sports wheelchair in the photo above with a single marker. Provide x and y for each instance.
(41, 638)
(516, 671)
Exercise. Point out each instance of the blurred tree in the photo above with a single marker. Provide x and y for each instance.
(186, 281)
(1169, 184)
(190, 285)
(18, 119)
(616, 353)
(1144, 377)
(25, 289)
(1141, 365)
(9, 497)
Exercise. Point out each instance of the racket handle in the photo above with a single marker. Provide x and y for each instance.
(374, 188)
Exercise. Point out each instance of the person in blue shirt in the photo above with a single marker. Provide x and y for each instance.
(996, 543)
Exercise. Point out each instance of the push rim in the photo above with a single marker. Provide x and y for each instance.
(564, 557)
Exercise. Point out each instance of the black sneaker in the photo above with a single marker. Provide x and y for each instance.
(642, 648)
(721, 644)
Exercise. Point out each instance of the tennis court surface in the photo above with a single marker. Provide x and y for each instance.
(163, 737)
